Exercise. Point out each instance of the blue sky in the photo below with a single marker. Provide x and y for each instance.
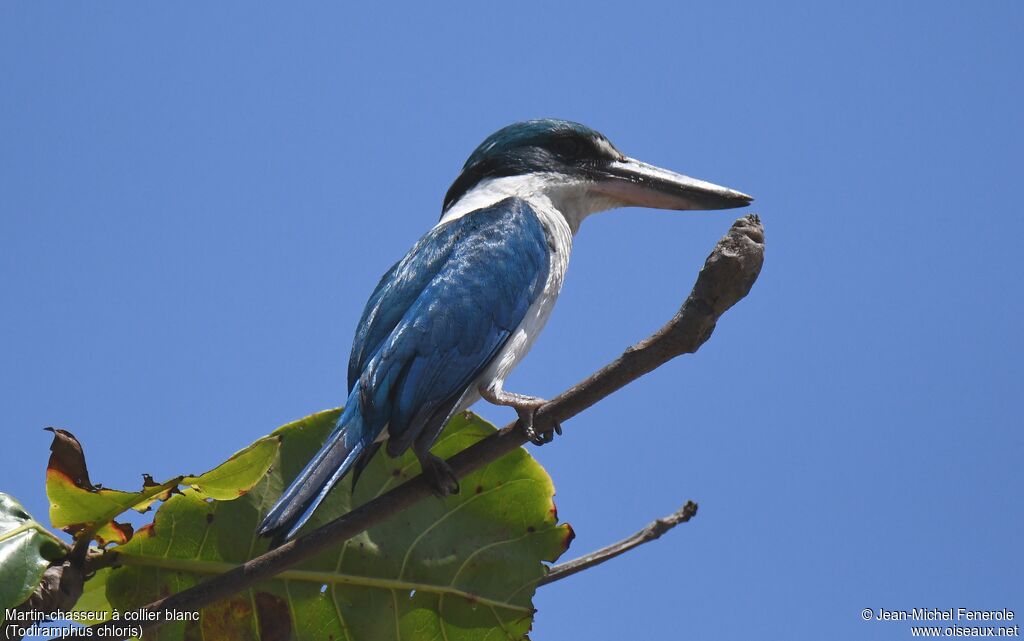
(196, 201)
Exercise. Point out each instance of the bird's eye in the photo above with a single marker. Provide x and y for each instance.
(567, 147)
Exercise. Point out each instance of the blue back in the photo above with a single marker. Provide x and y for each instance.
(440, 315)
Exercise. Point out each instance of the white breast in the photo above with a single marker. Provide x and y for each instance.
(535, 191)
(537, 315)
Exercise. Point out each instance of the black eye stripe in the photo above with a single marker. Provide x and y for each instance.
(568, 147)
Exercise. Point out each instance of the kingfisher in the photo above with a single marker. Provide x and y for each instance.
(448, 322)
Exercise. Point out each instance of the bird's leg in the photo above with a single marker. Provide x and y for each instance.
(526, 408)
(441, 476)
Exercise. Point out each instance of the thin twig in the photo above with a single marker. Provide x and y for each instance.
(727, 276)
(653, 531)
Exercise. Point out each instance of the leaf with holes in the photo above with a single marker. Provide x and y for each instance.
(461, 568)
(83, 509)
(26, 550)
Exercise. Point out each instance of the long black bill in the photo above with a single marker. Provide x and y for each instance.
(637, 184)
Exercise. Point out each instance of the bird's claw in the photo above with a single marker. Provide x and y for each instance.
(443, 481)
(543, 438)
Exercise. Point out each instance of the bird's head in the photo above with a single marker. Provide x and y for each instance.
(579, 170)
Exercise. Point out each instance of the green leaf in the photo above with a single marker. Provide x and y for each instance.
(94, 598)
(81, 508)
(26, 550)
(236, 476)
(461, 568)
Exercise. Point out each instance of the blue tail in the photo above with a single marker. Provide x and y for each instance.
(342, 449)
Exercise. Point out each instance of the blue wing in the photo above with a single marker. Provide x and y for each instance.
(436, 320)
(397, 290)
(441, 314)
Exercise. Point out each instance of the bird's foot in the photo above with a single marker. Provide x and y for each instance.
(543, 438)
(442, 479)
(526, 408)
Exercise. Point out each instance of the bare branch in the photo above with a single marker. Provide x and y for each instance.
(727, 276)
(653, 531)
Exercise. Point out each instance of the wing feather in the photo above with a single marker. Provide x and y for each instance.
(443, 313)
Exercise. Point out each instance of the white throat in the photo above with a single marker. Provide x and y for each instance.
(572, 199)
